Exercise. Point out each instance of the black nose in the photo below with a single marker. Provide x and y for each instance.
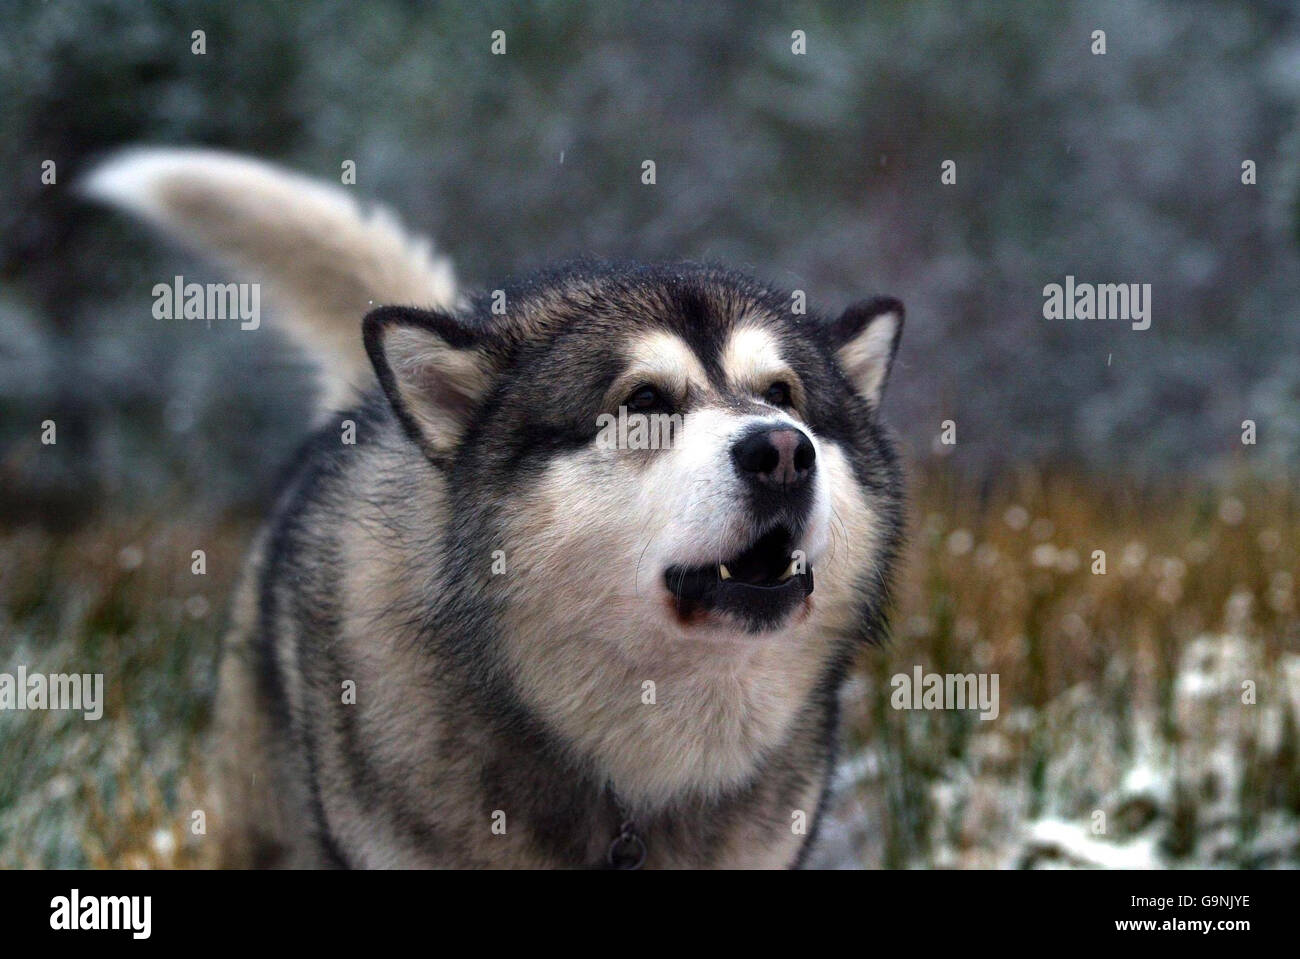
(780, 458)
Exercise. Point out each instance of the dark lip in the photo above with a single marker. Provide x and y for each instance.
(760, 603)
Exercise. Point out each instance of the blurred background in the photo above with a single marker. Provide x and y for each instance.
(1122, 692)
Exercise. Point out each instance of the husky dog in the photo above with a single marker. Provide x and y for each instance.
(482, 635)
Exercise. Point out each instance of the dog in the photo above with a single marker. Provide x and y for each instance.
(487, 631)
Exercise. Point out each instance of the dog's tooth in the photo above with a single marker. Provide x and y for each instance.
(789, 571)
(723, 571)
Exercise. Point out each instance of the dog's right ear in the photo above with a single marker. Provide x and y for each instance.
(433, 368)
(866, 339)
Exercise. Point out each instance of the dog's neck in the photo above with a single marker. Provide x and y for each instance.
(663, 718)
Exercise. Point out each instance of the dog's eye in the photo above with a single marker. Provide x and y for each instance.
(644, 399)
(778, 394)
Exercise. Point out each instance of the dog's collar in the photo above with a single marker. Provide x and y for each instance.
(628, 849)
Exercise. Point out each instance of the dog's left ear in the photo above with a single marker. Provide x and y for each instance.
(866, 338)
(434, 369)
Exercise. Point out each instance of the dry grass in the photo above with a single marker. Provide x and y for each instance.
(117, 598)
(1134, 674)
(1090, 669)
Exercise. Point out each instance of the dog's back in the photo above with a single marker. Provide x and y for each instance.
(327, 260)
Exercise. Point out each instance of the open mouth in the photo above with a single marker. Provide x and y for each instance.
(760, 586)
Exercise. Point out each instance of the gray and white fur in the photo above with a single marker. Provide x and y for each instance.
(549, 643)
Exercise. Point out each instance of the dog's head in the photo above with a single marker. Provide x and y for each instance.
(659, 481)
(673, 449)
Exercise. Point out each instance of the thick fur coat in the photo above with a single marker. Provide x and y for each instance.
(480, 636)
